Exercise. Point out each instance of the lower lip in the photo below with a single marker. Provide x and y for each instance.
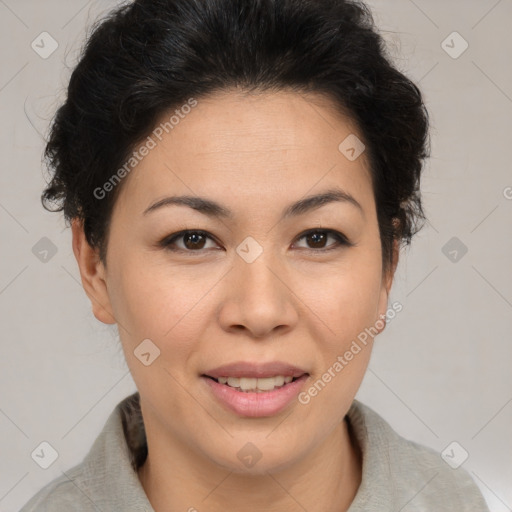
(256, 405)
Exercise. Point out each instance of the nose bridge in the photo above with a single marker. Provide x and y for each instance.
(258, 297)
(257, 267)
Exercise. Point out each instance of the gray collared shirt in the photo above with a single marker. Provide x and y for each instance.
(398, 474)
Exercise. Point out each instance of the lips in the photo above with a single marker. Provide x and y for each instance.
(255, 370)
(259, 404)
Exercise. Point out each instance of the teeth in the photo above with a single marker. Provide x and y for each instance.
(253, 384)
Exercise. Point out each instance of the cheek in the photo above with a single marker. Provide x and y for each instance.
(346, 303)
(158, 300)
(172, 303)
(345, 295)
(162, 303)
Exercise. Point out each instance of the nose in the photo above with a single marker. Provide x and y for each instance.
(258, 298)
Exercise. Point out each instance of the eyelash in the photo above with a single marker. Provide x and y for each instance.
(341, 240)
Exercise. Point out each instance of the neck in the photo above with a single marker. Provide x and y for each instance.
(325, 480)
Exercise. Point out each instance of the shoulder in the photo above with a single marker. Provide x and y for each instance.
(106, 479)
(411, 475)
(423, 469)
(62, 494)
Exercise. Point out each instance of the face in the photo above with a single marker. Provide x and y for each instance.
(255, 285)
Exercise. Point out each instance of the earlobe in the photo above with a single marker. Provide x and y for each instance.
(92, 273)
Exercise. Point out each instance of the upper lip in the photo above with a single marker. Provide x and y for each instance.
(255, 370)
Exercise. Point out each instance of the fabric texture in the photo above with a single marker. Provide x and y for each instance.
(398, 474)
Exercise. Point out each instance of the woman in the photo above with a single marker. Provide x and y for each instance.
(240, 177)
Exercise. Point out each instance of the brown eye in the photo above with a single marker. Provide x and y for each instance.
(317, 239)
(192, 241)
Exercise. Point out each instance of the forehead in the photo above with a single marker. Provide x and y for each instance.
(250, 145)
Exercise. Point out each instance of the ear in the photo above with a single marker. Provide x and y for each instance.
(93, 274)
(387, 281)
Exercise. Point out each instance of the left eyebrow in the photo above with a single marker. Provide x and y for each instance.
(300, 207)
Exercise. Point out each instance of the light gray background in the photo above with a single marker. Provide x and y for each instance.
(439, 373)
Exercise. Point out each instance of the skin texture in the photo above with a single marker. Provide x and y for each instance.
(255, 154)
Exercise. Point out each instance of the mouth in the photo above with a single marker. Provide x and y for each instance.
(244, 396)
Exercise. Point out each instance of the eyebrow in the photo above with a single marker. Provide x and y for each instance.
(216, 210)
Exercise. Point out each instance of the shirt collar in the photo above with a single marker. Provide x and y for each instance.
(110, 478)
(110, 468)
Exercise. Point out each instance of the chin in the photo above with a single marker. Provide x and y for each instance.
(256, 458)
